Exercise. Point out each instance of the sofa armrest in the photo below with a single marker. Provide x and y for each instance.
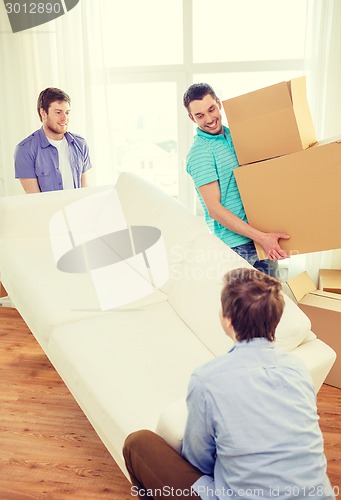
(172, 422)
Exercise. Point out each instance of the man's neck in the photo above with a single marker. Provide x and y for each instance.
(50, 134)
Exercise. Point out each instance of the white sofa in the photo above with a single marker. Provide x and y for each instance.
(128, 367)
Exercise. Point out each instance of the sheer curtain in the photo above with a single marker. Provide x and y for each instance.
(323, 70)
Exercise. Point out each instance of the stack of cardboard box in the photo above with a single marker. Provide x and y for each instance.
(290, 182)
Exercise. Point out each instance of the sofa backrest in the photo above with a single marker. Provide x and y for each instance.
(28, 216)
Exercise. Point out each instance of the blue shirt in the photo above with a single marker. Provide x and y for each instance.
(252, 427)
(213, 158)
(36, 157)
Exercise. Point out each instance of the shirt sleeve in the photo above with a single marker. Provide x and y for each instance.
(205, 488)
(201, 167)
(198, 443)
(86, 158)
(24, 163)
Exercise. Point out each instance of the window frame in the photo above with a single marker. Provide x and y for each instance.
(182, 75)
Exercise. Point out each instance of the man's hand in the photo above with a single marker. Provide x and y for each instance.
(269, 242)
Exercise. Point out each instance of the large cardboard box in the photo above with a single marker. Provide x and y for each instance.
(270, 122)
(330, 280)
(298, 194)
(324, 311)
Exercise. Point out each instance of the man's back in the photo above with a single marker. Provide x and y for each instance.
(256, 406)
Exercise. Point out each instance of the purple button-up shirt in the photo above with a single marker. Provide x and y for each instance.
(36, 158)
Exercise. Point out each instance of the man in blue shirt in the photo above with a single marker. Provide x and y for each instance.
(210, 162)
(52, 158)
(252, 428)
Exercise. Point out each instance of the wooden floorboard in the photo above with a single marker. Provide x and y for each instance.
(48, 449)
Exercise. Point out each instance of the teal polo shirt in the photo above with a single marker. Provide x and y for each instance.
(213, 158)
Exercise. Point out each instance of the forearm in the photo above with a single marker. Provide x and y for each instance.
(85, 179)
(30, 185)
(268, 241)
(232, 222)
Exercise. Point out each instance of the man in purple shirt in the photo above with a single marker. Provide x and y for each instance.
(52, 158)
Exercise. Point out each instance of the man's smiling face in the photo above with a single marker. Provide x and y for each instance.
(56, 120)
(206, 114)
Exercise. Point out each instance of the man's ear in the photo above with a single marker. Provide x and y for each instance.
(228, 328)
(227, 323)
(42, 113)
(219, 103)
(191, 117)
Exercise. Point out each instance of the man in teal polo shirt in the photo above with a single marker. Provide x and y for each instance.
(210, 162)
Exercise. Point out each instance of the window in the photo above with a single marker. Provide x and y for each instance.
(142, 33)
(144, 131)
(154, 50)
(248, 31)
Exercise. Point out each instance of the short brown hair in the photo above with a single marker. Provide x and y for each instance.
(48, 96)
(197, 92)
(254, 303)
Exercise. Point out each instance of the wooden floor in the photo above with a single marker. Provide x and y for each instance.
(48, 449)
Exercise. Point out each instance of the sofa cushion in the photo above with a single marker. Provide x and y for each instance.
(124, 367)
(204, 263)
(293, 328)
(196, 287)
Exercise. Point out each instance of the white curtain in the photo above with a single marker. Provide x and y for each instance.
(323, 70)
(323, 65)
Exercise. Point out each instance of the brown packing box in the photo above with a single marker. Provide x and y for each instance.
(324, 311)
(298, 194)
(330, 280)
(270, 122)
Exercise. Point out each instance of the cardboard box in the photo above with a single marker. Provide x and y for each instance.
(298, 194)
(324, 311)
(330, 280)
(270, 122)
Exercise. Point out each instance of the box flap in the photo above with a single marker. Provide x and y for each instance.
(327, 295)
(301, 285)
(321, 301)
(297, 88)
(304, 119)
(330, 280)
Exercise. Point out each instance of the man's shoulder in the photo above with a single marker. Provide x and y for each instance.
(32, 138)
(201, 150)
(213, 367)
(206, 144)
(202, 142)
(290, 360)
(72, 137)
